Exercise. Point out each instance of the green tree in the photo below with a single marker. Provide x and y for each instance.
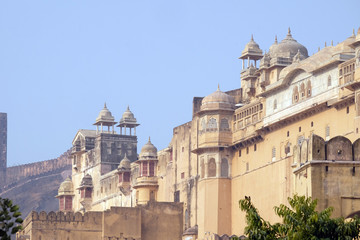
(10, 220)
(299, 221)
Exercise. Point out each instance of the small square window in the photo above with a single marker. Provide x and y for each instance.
(312, 124)
(299, 129)
(347, 110)
(254, 147)
(288, 134)
(240, 153)
(182, 175)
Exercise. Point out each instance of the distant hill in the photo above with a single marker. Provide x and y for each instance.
(34, 186)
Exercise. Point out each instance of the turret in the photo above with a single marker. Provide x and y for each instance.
(65, 195)
(251, 54)
(124, 171)
(86, 189)
(146, 183)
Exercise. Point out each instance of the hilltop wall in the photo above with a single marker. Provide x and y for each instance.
(23, 172)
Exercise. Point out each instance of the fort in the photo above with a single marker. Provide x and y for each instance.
(292, 128)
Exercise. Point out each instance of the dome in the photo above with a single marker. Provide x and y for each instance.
(148, 150)
(66, 187)
(124, 163)
(105, 115)
(218, 100)
(273, 46)
(128, 114)
(252, 50)
(288, 48)
(86, 181)
(128, 118)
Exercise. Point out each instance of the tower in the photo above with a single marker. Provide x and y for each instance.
(3, 148)
(146, 183)
(214, 154)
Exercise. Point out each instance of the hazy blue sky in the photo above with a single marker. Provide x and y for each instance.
(61, 60)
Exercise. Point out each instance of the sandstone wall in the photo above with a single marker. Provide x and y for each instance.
(153, 221)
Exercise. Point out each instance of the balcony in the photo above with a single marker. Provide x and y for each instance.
(248, 73)
(347, 75)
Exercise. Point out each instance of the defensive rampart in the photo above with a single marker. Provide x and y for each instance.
(16, 174)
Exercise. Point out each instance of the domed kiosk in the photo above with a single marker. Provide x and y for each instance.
(105, 118)
(128, 120)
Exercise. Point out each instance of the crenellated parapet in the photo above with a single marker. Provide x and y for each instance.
(151, 221)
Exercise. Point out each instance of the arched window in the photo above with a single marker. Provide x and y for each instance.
(224, 124)
(308, 88)
(295, 94)
(275, 104)
(329, 81)
(212, 124)
(212, 168)
(224, 168)
(302, 90)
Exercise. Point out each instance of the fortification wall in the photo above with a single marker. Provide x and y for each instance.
(26, 171)
(153, 221)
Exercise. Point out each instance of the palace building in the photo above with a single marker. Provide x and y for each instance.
(292, 128)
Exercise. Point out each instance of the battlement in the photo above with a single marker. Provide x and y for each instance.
(152, 221)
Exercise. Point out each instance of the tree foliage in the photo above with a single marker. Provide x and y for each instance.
(299, 221)
(10, 220)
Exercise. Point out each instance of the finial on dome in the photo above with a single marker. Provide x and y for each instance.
(332, 43)
(289, 31)
(149, 139)
(318, 49)
(218, 87)
(128, 108)
(276, 39)
(252, 37)
(105, 105)
(325, 43)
